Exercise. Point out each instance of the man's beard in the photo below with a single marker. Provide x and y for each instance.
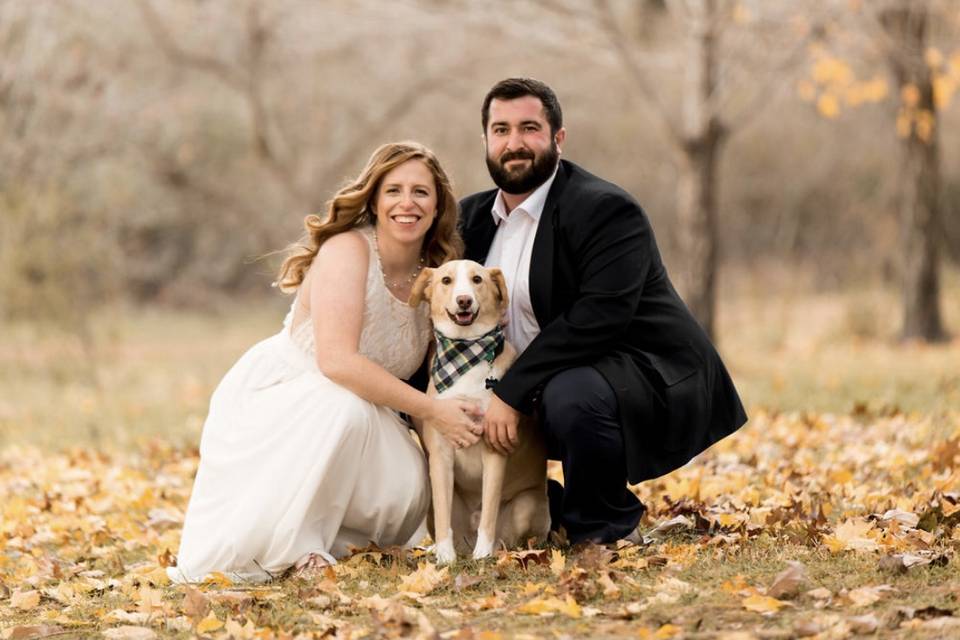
(530, 177)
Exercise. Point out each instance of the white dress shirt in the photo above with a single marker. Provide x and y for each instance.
(510, 251)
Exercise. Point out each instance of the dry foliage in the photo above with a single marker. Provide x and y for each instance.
(801, 525)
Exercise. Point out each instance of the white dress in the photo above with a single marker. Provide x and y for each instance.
(292, 463)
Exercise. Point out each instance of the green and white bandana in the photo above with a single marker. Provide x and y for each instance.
(456, 356)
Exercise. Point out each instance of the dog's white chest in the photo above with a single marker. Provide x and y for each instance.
(473, 384)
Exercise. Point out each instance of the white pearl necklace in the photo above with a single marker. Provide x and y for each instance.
(394, 284)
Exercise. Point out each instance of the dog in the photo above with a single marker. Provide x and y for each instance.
(480, 497)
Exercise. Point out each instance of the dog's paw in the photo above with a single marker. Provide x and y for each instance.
(483, 548)
(445, 552)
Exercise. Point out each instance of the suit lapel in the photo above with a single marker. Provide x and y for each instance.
(479, 234)
(541, 258)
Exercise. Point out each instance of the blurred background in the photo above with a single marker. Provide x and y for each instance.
(799, 159)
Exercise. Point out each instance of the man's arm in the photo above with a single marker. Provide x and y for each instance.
(614, 260)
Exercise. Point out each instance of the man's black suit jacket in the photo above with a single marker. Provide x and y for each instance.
(602, 298)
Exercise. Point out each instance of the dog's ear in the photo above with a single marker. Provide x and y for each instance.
(422, 287)
(501, 283)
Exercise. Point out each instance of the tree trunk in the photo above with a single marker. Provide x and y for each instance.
(919, 173)
(697, 185)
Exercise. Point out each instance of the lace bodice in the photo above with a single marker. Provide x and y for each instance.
(394, 335)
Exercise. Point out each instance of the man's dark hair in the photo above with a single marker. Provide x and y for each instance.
(513, 88)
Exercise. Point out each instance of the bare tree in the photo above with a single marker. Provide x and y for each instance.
(906, 24)
(716, 97)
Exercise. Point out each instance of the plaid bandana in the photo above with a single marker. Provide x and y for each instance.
(456, 356)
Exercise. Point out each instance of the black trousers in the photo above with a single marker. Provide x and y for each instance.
(578, 412)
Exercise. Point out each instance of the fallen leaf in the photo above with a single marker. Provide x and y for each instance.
(865, 596)
(788, 582)
(149, 600)
(464, 581)
(864, 625)
(524, 557)
(122, 615)
(663, 529)
(424, 580)
(208, 624)
(195, 605)
(24, 600)
(667, 631)
(558, 562)
(852, 535)
(901, 562)
(549, 606)
(129, 633)
(763, 604)
(32, 632)
(235, 631)
(909, 520)
(610, 589)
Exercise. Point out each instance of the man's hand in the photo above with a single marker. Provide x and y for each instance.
(500, 426)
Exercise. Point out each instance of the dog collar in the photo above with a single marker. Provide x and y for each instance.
(456, 356)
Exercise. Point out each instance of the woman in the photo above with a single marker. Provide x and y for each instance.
(303, 454)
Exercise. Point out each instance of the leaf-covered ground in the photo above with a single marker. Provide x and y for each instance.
(801, 525)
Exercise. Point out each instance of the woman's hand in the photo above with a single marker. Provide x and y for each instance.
(457, 421)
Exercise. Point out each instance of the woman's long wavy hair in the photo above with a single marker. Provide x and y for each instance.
(351, 208)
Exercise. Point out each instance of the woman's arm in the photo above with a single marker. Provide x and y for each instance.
(337, 283)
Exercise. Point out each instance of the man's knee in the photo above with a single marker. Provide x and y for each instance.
(574, 397)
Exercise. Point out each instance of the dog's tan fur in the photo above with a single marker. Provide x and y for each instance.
(480, 497)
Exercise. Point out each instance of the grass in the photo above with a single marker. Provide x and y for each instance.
(846, 423)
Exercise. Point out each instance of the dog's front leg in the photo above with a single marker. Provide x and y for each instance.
(494, 466)
(441, 482)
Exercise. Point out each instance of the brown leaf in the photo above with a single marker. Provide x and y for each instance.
(464, 581)
(525, 557)
(195, 604)
(167, 559)
(32, 632)
(788, 582)
(763, 604)
(900, 562)
(864, 625)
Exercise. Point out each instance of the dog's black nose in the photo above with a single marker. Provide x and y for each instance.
(464, 302)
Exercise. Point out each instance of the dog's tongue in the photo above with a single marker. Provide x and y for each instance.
(464, 316)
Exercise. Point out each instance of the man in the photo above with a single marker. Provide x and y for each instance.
(625, 383)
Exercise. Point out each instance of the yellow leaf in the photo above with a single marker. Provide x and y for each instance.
(763, 604)
(549, 606)
(424, 580)
(557, 562)
(828, 106)
(217, 579)
(735, 585)
(904, 124)
(852, 535)
(865, 596)
(208, 624)
(910, 95)
(667, 631)
(841, 476)
(24, 600)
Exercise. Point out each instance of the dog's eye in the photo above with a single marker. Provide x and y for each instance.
(446, 280)
(477, 279)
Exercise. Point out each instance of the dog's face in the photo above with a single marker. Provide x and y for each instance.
(466, 298)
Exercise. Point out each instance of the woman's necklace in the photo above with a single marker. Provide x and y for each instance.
(395, 284)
